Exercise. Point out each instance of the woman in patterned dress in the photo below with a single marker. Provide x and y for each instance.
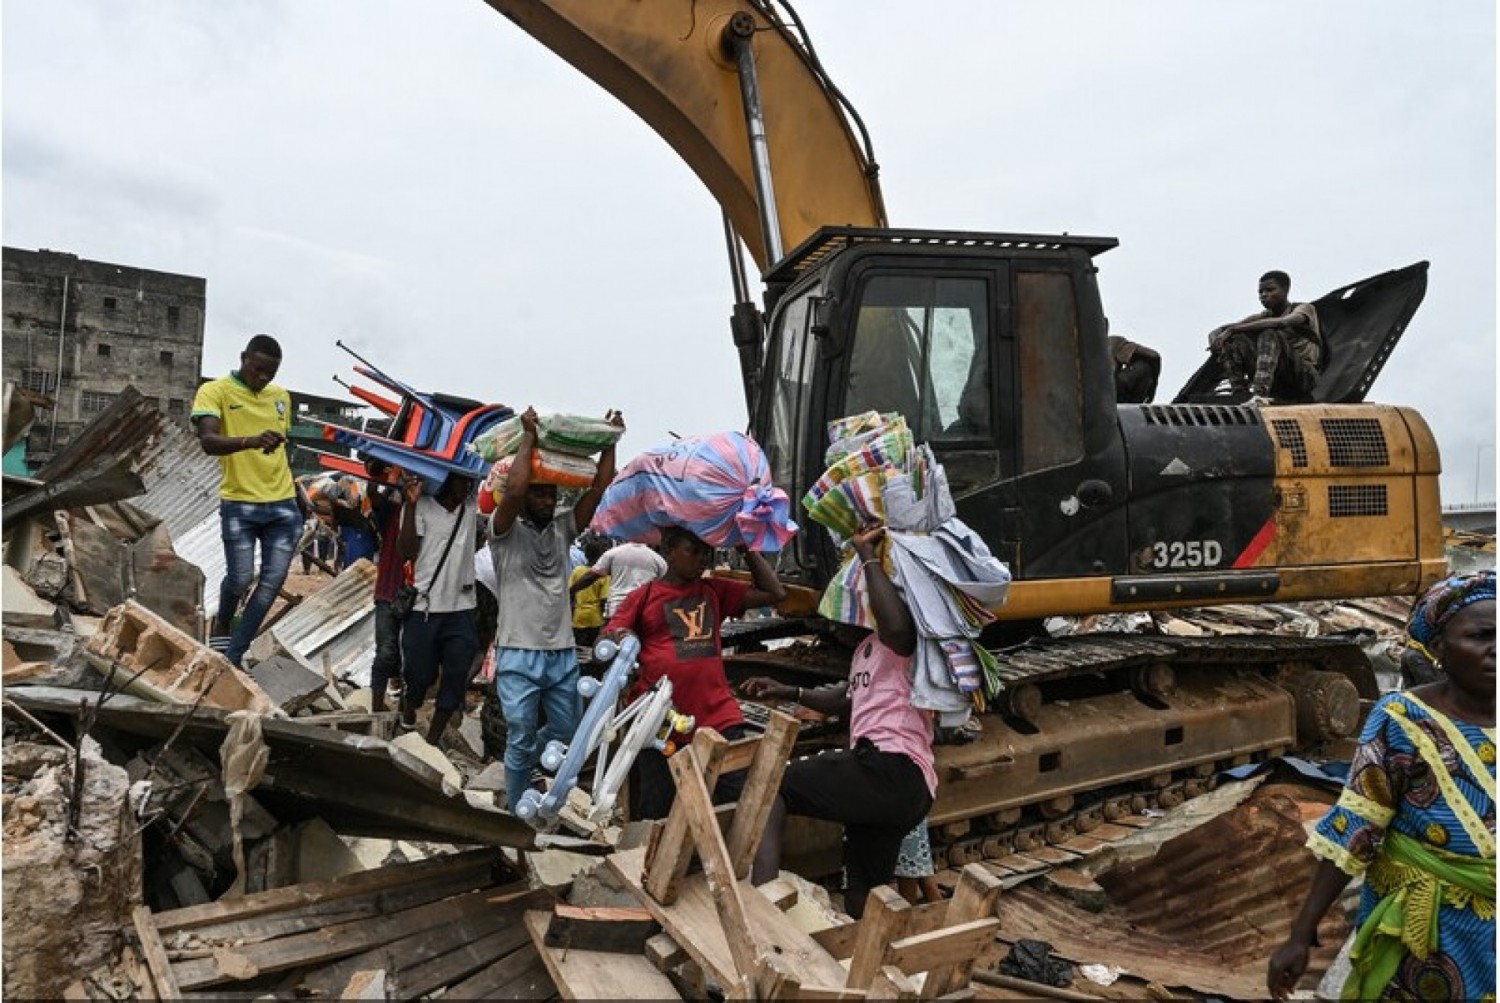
(1417, 819)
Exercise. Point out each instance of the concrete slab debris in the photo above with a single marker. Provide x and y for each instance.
(169, 665)
(73, 868)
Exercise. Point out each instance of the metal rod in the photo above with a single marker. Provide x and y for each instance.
(357, 357)
(738, 35)
(1038, 989)
(736, 261)
(62, 324)
(21, 712)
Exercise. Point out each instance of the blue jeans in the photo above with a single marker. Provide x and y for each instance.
(387, 663)
(526, 680)
(276, 526)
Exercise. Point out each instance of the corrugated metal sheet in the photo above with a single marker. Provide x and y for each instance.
(132, 450)
(182, 486)
(202, 545)
(336, 623)
(1205, 911)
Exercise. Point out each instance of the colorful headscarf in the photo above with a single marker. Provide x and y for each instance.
(1433, 611)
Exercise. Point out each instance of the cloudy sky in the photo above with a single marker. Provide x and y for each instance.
(423, 180)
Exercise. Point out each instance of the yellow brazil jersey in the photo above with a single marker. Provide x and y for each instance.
(249, 475)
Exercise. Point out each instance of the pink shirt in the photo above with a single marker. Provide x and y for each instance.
(880, 690)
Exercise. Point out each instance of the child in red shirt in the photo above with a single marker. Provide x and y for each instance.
(677, 619)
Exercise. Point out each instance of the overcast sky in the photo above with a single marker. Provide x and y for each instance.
(427, 182)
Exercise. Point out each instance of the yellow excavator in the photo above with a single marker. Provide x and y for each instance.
(994, 346)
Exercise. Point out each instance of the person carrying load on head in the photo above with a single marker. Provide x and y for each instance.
(678, 619)
(1417, 820)
(438, 637)
(882, 786)
(536, 663)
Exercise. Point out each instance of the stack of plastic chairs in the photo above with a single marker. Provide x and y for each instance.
(429, 436)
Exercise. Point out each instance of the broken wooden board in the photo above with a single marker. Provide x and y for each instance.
(693, 921)
(362, 785)
(606, 929)
(596, 975)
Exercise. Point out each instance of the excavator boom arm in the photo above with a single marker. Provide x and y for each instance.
(666, 60)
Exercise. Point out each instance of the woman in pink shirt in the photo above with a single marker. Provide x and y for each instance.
(884, 783)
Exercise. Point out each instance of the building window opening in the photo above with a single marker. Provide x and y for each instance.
(93, 401)
(174, 314)
(110, 303)
(166, 358)
(103, 350)
(39, 381)
(175, 408)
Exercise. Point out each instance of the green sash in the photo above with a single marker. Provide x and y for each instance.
(1414, 880)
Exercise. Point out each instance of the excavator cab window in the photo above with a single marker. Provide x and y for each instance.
(793, 355)
(921, 348)
(1051, 374)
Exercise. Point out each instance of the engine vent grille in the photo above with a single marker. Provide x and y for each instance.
(1199, 415)
(1356, 442)
(1350, 500)
(1289, 437)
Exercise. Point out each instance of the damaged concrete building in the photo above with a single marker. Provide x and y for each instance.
(80, 331)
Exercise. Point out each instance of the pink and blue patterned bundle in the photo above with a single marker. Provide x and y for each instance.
(717, 487)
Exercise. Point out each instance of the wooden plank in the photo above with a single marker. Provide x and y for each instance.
(891, 983)
(672, 849)
(317, 891)
(780, 893)
(334, 941)
(693, 801)
(166, 987)
(940, 949)
(838, 941)
(532, 982)
(464, 960)
(759, 793)
(368, 905)
(513, 972)
(595, 975)
(664, 952)
(973, 899)
(600, 928)
(740, 754)
(693, 922)
(884, 921)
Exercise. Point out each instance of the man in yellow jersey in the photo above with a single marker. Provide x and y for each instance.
(243, 419)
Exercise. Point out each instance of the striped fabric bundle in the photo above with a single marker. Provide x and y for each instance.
(865, 452)
(717, 487)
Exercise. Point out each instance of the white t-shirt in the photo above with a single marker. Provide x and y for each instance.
(454, 588)
(629, 566)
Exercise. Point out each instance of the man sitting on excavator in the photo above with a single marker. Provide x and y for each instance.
(1274, 354)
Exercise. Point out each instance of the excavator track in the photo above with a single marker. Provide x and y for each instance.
(1094, 729)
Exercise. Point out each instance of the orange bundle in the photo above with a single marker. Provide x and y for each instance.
(547, 467)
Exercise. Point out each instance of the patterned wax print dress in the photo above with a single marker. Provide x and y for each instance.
(1426, 776)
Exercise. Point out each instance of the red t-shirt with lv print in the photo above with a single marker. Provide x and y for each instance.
(678, 626)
